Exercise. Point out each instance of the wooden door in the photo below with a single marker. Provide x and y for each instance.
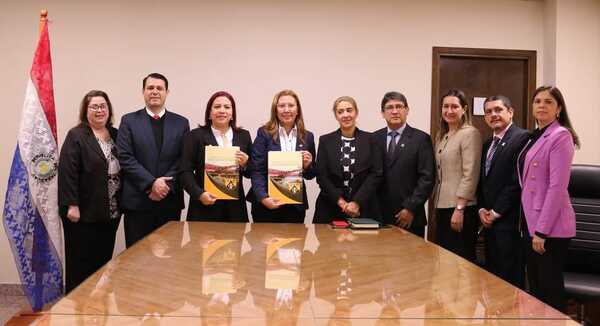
(482, 73)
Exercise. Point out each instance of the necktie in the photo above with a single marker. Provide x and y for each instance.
(490, 155)
(156, 117)
(392, 145)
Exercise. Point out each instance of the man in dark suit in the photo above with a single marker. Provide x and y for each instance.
(498, 191)
(408, 168)
(149, 145)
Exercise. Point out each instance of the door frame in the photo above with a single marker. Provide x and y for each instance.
(440, 52)
(528, 56)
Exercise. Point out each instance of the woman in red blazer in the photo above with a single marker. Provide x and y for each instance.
(544, 169)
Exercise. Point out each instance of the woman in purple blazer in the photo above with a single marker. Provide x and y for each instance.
(544, 169)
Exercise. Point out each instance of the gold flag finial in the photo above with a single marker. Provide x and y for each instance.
(43, 18)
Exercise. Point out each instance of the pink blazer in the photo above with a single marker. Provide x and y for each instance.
(545, 181)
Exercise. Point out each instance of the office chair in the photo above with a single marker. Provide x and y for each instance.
(582, 270)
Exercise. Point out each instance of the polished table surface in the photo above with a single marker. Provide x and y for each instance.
(293, 274)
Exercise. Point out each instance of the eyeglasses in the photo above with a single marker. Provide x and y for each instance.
(98, 107)
(396, 106)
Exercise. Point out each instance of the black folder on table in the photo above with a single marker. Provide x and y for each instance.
(364, 223)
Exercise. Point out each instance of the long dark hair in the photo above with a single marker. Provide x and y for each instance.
(211, 100)
(83, 107)
(563, 116)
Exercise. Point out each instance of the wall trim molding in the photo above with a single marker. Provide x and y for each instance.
(11, 289)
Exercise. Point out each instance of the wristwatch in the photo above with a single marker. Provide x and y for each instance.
(460, 208)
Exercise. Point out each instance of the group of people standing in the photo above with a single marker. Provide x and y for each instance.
(141, 172)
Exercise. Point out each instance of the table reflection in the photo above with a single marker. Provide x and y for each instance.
(285, 274)
(355, 277)
(279, 286)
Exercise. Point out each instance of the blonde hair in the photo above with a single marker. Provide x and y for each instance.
(272, 126)
(345, 99)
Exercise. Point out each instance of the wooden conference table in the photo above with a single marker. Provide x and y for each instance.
(252, 274)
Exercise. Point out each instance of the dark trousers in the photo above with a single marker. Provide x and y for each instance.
(461, 243)
(503, 255)
(419, 231)
(545, 272)
(139, 224)
(88, 246)
(283, 214)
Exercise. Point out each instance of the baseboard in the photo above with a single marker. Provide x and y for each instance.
(11, 289)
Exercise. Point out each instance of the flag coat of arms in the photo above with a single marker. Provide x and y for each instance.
(31, 217)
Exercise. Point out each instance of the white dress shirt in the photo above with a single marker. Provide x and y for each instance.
(160, 114)
(288, 141)
(225, 139)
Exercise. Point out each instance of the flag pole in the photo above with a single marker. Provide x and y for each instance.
(43, 19)
(31, 204)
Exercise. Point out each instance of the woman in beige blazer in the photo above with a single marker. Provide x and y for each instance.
(458, 157)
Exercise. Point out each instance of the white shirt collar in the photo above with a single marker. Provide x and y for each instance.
(219, 136)
(399, 130)
(287, 142)
(160, 114)
(503, 132)
(292, 132)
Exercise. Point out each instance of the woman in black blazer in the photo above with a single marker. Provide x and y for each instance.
(349, 170)
(284, 132)
(220, 129)
(88, 185)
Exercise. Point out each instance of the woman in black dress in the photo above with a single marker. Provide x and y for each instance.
(349, 171)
